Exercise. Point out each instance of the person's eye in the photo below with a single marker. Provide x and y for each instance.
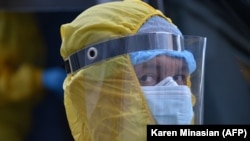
(180, 79)
(147, 80)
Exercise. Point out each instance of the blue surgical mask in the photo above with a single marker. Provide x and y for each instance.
(169, 103)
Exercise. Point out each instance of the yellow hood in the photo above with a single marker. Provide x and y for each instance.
(104, 101)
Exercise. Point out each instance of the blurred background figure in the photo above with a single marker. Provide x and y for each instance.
(31, 73)
(22, 52)
(24, 79)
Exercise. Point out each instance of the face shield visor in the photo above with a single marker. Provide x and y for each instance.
(147, 78)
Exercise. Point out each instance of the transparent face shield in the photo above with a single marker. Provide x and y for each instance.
(197, 46)
(128, 82)
(172, 79)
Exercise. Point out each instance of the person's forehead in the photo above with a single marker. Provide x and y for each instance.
(164, 61)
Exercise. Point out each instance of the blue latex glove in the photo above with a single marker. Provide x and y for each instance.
(53, 78)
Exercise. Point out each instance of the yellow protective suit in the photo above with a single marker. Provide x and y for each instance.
(21, 52)
(104, 101)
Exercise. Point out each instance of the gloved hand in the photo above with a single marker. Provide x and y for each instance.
(52, 79)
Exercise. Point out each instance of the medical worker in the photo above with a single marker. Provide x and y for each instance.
(127, 67)
(23, 77)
